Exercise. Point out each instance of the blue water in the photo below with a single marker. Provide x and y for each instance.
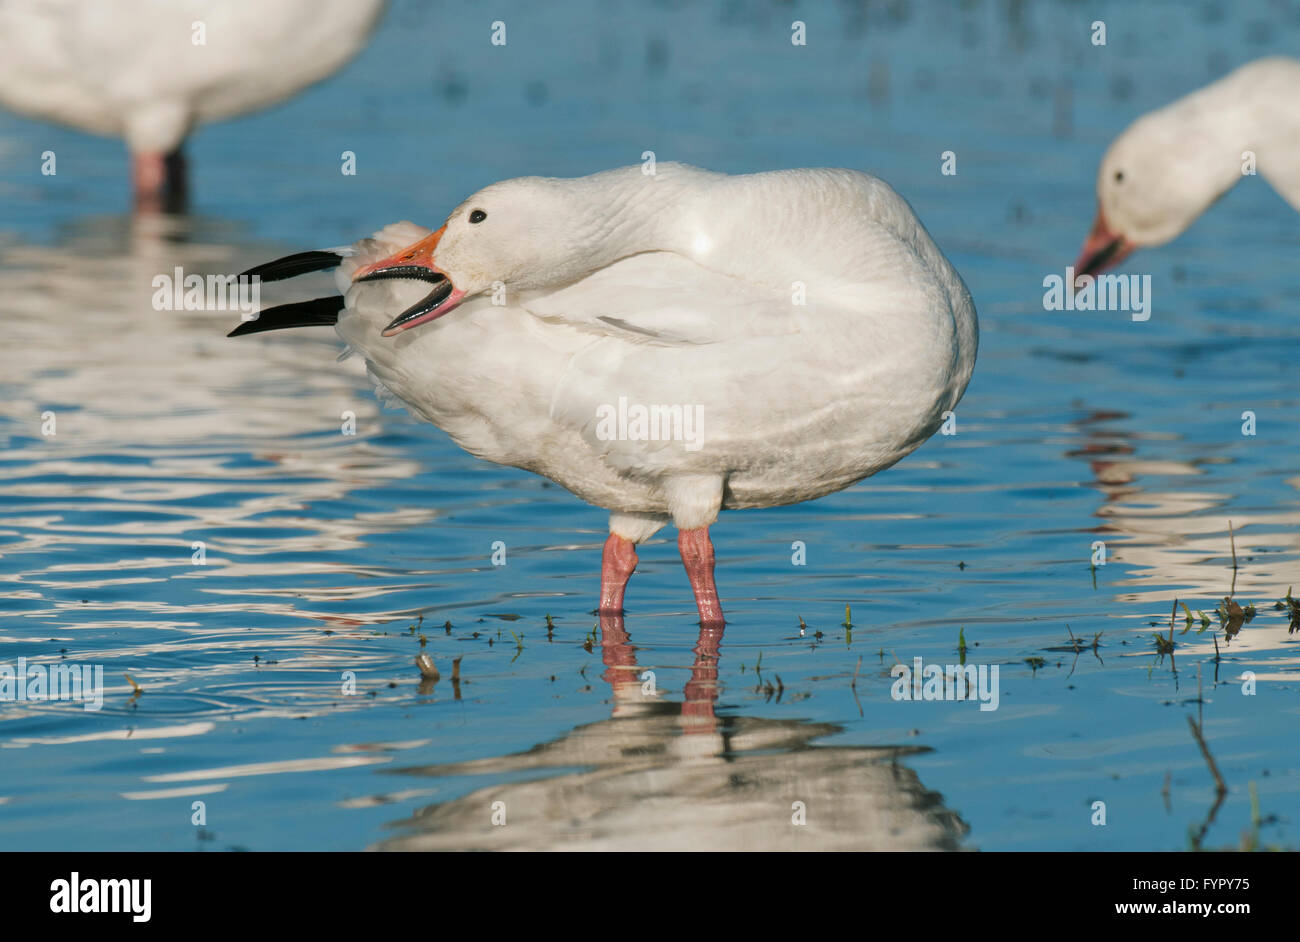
(325, 550)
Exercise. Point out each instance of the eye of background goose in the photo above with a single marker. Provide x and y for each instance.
(1119, 176)
(477, 216)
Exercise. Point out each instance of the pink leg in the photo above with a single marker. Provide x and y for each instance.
(159, 181)
(697, 556)
(616, 567)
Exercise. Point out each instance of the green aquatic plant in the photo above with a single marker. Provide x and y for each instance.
(1292, 607)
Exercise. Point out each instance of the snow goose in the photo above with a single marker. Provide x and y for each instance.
(664, 345)
(150, 70)
(1170, 165)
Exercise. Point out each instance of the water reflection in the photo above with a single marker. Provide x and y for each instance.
(142, 431)
(662, 774)
(1176, 542)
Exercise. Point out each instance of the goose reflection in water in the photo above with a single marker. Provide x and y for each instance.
(661, 774)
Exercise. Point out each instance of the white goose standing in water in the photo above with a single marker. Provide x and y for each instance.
(678, 289)
(1169, 166)
(149, 71)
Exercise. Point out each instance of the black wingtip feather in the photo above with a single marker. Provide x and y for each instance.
(318, 312)
(292, 265)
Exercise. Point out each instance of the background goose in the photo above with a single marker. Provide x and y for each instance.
(1169, 166)
(802, 321)
(149, 71)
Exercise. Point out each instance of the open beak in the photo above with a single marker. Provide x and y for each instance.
(415, 261)
(1103, 249)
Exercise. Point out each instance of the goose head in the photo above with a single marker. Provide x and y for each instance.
(527, 233)
(1155, 180)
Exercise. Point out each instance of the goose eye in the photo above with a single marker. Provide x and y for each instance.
(1119, 176)
(477, 216)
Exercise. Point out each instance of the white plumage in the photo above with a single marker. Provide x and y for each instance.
(805, 315)
(1169, 166)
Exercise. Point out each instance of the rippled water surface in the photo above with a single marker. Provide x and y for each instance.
(329, 553)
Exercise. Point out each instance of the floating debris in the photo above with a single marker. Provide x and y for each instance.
(1232, 616)
(428, 669)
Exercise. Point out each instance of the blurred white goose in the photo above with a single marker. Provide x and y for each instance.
(794, 332)
(1170, 165)
(150, 70)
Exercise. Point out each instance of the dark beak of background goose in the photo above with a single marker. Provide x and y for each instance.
(415, 262)
(1102, 249)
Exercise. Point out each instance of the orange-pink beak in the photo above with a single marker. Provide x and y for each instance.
(1102, 249)
(415, 262)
